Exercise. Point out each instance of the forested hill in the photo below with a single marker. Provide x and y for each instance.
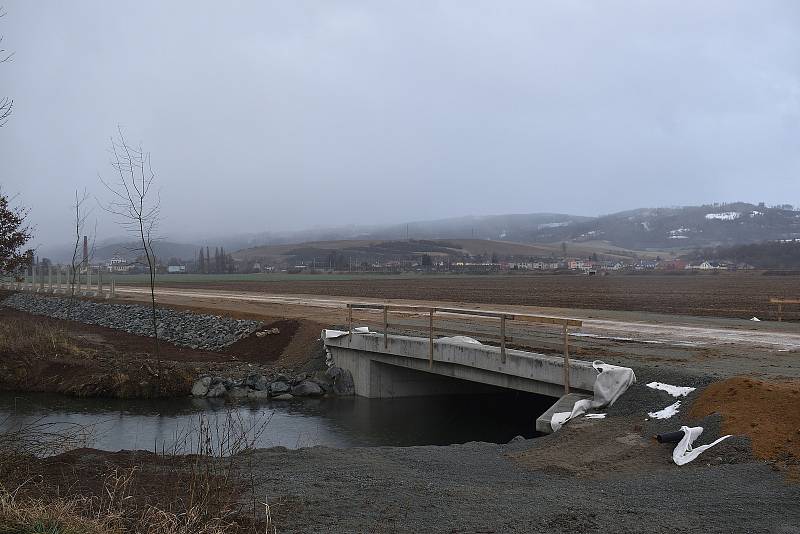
(769, 255)
(682, 227)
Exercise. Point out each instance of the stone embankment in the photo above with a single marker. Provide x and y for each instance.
(256, 386)
(186, 329)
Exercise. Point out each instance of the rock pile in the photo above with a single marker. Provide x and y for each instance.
(256, 386)
(193, 330)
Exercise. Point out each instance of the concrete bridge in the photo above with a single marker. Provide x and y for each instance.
(400, 366)
(393, 365)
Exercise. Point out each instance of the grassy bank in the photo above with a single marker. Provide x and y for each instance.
(87, 491)
(45, 356)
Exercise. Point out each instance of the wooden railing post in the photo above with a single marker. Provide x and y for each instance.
(503, 338)
(350, 318)
(430, 339)
(566, 360)
(385, 327)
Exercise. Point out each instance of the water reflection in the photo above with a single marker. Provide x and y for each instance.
(337, 422)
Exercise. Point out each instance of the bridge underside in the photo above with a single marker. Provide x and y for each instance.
(400, 366)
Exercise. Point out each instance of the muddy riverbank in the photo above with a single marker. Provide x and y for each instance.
(45, 354)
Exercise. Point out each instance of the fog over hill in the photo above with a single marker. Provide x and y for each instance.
(643, 228)
(682, 227)
(674, 228)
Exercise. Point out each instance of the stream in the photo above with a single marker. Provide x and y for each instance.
(181, 424)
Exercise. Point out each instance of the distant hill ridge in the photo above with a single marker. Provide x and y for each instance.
(684, 227)
(672, 228)
(639, 229)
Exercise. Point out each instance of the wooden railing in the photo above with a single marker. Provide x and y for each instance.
(501, 319)
(781, 303)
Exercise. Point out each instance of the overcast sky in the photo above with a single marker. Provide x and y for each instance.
(287, 115)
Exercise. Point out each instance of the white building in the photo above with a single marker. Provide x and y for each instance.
(118, 264)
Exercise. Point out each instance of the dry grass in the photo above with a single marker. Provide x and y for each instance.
(37, 340)
(204, 471)
(52, 517)
(114, 512)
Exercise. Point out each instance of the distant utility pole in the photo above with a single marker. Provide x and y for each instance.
(407, 232)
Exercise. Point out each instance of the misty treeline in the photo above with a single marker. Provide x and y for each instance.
(220, 263)
(767, 255)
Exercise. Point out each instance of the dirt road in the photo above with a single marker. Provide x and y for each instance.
(713, 346)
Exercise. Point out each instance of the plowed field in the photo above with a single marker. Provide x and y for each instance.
(740, 295)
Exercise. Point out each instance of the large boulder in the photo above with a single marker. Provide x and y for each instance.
(239, 392)
(258, 394)
(299, 378)
(200, 388)
(342, 381)
(322, 380)
(278, 388)
(257, 382)
(217, 390)
(307, 388)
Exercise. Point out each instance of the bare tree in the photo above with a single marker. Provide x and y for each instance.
(81, 214)
(137, 206)
(6, 103)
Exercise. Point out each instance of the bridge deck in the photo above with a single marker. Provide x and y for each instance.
(398, 366)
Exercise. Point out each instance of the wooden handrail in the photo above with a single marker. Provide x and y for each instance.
(503, 317)
(530, 318)
(780, 303)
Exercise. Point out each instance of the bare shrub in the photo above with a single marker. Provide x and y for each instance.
(204, 461)
(22, 439)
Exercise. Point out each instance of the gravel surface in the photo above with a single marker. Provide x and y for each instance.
(476, 488)
(186, 329)
(607, 475)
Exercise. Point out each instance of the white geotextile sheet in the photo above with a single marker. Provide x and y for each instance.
(333, 334)
(684, 452)
(612, 381)
(675, 391)
(667, 412)
(460, 339)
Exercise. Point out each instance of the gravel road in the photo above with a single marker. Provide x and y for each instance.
(476, 487)
(605, 475)
(712, 346)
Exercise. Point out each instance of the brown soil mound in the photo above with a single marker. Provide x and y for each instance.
(767, 412)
